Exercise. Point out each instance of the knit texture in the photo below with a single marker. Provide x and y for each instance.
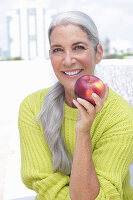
(112, 147)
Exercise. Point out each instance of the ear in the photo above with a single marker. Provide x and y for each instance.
(99, 53)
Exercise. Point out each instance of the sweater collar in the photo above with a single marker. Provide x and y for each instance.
(70, 113)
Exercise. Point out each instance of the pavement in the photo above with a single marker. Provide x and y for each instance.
(11, 186)
(5, 151)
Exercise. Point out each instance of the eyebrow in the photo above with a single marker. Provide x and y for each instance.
(56, 45)
(76, 43)
(80, 42)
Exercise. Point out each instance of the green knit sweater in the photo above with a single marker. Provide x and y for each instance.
(112, 147)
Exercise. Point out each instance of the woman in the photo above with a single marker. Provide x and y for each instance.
(77, 151)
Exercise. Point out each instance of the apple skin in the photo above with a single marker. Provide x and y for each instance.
(88, 84)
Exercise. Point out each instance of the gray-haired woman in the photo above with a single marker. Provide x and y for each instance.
(77, 151)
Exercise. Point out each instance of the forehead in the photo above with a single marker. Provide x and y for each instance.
(69, 32)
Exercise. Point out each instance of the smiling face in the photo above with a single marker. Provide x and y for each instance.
(72, 55)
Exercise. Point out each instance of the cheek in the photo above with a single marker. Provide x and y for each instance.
(55, 63)
(89, 59)
(89, 63)
(85, 60)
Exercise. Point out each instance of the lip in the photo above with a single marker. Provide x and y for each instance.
(72, 70)
(72, 76)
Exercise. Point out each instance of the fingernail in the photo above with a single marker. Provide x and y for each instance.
(74, 101)
(94, 94)
(79, 99)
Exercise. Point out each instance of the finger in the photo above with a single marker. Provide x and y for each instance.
(77, 104)
(87, 105)
(81, 110)
(98, 101)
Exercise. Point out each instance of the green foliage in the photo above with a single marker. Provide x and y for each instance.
(12, 59)
(115, 56)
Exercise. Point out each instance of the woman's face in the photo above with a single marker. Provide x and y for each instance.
(72, 54)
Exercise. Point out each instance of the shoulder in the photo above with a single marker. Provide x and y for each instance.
(38, 95)
(116, 116)
(33, 102)
(116, 104)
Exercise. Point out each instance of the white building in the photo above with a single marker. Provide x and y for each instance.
(14, 33)
(121, 46)
(27, 31)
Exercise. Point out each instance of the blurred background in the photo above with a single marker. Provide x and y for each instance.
(24, 23)
(25, 66)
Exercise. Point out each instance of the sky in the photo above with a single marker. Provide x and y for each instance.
(114, 18)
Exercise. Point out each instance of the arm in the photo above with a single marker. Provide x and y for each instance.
(36, 162)
(84, 183)
(112, 151)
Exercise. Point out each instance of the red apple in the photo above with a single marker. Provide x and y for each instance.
(88, 84)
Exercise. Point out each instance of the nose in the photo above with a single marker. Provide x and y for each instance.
(68, 59)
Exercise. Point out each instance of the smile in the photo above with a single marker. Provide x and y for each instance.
(73, 72)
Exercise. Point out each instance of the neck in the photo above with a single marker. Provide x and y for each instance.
(69, 96)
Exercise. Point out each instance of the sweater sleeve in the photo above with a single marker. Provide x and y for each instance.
(113, 152)
(36, 159)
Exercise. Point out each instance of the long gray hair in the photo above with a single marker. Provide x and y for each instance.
(52, 111)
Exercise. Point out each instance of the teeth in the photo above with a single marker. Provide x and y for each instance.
(72, 73)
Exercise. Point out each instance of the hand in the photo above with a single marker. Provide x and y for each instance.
(87, 112)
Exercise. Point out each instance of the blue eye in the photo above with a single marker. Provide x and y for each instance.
(79, 47)
(57, 50)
